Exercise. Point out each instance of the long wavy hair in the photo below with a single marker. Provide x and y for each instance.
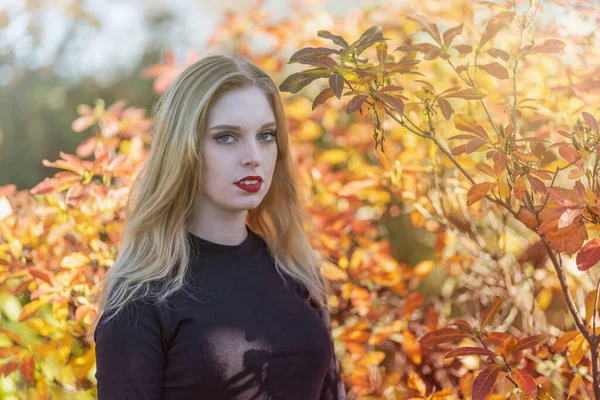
(163, 197)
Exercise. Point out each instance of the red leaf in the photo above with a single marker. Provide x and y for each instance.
(428, 27)
(463, 48)
(451, 33)
(591, 121)
(310, 53)
(391, 88)
(469, 351)
(462, 324)
(43, 274)
(467, 94)
(322, 97)
(46, 186)
(497, 53)
(589, 255)
(494, 25)
(537, 184)
(495, 69)
(528, 342)
(336, 83)
(484, 382)
(497, 338)
(28, 368)
(444, 335)
(445, 108)
(550, 46)
(525, 382)
(356, 102)
(475, 144)
(396, 103)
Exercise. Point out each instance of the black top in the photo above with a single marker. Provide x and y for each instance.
(235, 333)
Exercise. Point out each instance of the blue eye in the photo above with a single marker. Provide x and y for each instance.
(272, 133)
(220, 137)
(219, 141)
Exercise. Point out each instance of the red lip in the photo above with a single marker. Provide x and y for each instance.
(251, 178)
(250, 188)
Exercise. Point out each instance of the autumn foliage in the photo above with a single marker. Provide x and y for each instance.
(473, 129)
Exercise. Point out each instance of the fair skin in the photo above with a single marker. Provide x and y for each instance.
(231, 154)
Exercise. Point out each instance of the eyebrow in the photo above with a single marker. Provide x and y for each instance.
(237, 128)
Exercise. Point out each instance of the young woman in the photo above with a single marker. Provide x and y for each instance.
(216, 291)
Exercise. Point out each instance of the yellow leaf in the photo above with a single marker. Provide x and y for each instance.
(333, 156)
(333, 272)
(74, 260)
(41, 326)
(30, 309)
(309, 131)
(423, 269)
(544, 298)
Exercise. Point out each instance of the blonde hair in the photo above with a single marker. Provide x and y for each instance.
(162, 198)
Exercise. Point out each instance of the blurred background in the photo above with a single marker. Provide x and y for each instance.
(55, 55)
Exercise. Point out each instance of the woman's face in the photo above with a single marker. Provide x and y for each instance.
(239, 141)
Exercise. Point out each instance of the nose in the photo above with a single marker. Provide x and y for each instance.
(252, 155)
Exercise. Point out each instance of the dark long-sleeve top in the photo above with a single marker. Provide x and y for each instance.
(236, 332)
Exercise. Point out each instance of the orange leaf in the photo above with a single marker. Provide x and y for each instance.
(13, 337)
(574, 385)
(478, 192)
(576, 350)
(562, 342)
(485, 380)
(491, 311)
(525, 382)
(520, 187)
